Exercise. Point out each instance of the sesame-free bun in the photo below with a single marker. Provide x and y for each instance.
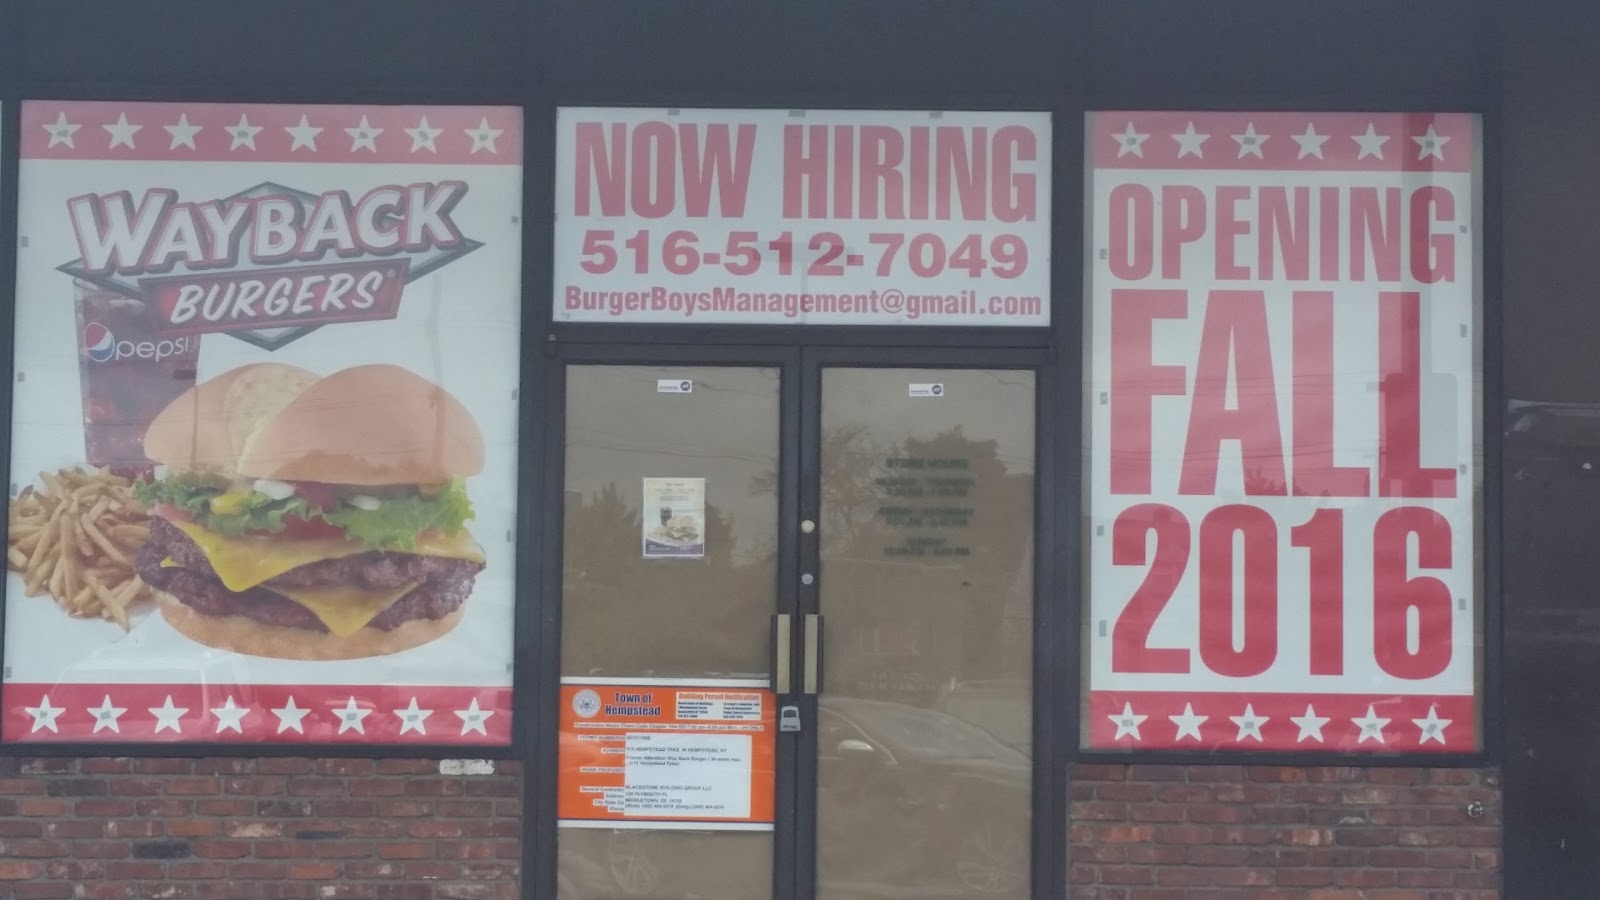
(241, 634)
(367, 425)
(206, 427)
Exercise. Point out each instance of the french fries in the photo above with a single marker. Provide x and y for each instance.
(76, 538)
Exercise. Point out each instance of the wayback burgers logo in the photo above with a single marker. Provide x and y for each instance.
(268, 265)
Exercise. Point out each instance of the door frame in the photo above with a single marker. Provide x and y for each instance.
(799, 479)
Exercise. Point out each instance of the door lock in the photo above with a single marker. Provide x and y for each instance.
(788, 719)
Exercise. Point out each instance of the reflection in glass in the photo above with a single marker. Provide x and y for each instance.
(625, 616)
(927, 589)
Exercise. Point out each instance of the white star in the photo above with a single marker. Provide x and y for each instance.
(106, 715)
(1371, 143)
(1250, 143)
(61, 131)
(422, 136)
(1130, 141)
(1189, 142)
(483, 136)
(244, 134)
(1371, 726)
(1310, 142)
(473, 718)
(1249, 723)
(363, 135)
(411, 718)
(183, 133)
(1432, 727)
(304, 135)
(121, 132)
(1188, 723)
(1310, 724)
(289, 716)
(44, 715)
(230, 716)
(350, 717)
(1127, 722)
(1431, 144)
(167, 715)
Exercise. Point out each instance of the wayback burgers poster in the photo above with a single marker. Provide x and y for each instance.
(263, 446)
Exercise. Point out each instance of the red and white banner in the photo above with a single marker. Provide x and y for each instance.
(1284, 459)
(784, 217)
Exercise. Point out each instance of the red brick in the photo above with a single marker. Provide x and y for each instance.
(378, 787)
(405, 851)
(192, 827)
(158, 766)
(221, 849)
(337, 849)
(15, 828)
(381, 871)
(44, 807)
(20, 871)
(284, 766)
(312, 871)
(192, 786)
(213, 871)
(77, 828)
(42, 890)
(407, 767)
(228, 766)
(134, 870)
(108, 766)
(346, 767)
(438, 870)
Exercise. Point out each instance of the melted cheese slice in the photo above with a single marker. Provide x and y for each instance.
(345, 610)
(245, 562)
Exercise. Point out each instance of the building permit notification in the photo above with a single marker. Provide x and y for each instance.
(665, 753)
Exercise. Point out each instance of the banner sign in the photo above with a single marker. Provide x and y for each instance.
(665, 753)
(268, 495)
(778, 217)
(1284, 464)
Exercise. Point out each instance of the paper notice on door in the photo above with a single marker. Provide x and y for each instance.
(674, 518)
(672, 775)
(665, 753)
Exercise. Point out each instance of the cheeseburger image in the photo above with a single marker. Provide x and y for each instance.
(313, 518)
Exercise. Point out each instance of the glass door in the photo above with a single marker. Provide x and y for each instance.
(922, 610)
(667, 772)
(797, 634)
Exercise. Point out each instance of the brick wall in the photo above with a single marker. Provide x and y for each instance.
(327, 829)
(1280, 833)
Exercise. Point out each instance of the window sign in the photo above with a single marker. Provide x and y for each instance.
(780, 217)
(1284, 462)
(263, 445)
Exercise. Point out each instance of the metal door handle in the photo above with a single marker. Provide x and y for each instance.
(812, 676)
(780, 654)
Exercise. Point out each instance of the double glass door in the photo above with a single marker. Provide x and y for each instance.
(810, 579)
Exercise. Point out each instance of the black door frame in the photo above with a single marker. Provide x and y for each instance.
(799, 485)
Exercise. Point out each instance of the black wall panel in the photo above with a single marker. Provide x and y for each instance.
(1550, 183)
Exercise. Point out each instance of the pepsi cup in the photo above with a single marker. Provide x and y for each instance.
(129, 373)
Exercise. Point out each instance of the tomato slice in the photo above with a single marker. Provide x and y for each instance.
(171, 513)
(317, 495)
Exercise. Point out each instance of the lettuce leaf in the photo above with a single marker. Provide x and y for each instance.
(394, 525)
(398, 520)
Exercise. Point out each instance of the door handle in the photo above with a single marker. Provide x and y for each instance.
(812, 676)
(781, 624)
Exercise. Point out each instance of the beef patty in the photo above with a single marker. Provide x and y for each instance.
(446, 583)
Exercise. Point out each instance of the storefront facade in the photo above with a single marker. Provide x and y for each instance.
(1104, 450)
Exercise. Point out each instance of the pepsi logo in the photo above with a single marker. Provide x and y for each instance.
(99, 342)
